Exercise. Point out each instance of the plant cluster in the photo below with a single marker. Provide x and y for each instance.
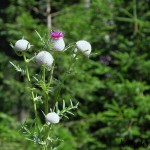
(36, 130)
(113, 88)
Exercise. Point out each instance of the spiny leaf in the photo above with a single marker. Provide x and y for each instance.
(71, 103)
(67, 110)
(28, 60)
(63, 104)
(65, 116)
(29, 139)
(47, 44)
(38, 99)
(56, 105)
(36, 78)
(69, 46)
(26, 130)
(17, 68)
(11, 45)
(43, 86)
(57, 109)
(70, 113)
(40, 37)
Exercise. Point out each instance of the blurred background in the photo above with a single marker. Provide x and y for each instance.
(112, 87)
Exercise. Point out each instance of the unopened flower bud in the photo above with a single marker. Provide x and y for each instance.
(84, 47)
(52, 117)
(58, 43)
(44, 58)
(22, 45)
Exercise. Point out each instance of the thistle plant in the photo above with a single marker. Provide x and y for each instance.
(35, 130)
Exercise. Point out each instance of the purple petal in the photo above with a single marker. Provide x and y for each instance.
(56, 34)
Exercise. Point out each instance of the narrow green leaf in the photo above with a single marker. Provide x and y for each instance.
(40, 37)
(70, 113)
(71, 103)
(17, 68)
(63, 104)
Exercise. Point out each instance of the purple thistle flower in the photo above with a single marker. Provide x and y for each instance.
(56, 34)
(58, 43)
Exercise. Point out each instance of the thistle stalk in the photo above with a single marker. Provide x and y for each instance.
(45, 89)
(30, 85)
(51, 75)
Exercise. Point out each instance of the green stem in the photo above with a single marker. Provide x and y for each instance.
(26, 68)
(44, 73)
(45, 90)
(29, 80)
(46, 103)
(47, 133)
(44, 148)
(51, 75)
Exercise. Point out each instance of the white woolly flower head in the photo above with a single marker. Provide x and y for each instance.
(44, 58)
(58, 43)
(84, 47)
(22, 45)
(52, 117)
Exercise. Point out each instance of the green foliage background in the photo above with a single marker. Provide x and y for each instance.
(112, 86)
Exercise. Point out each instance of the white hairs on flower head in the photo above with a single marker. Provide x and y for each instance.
(22, 45)
(84, 47)
(52, 117)
(44, 58)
